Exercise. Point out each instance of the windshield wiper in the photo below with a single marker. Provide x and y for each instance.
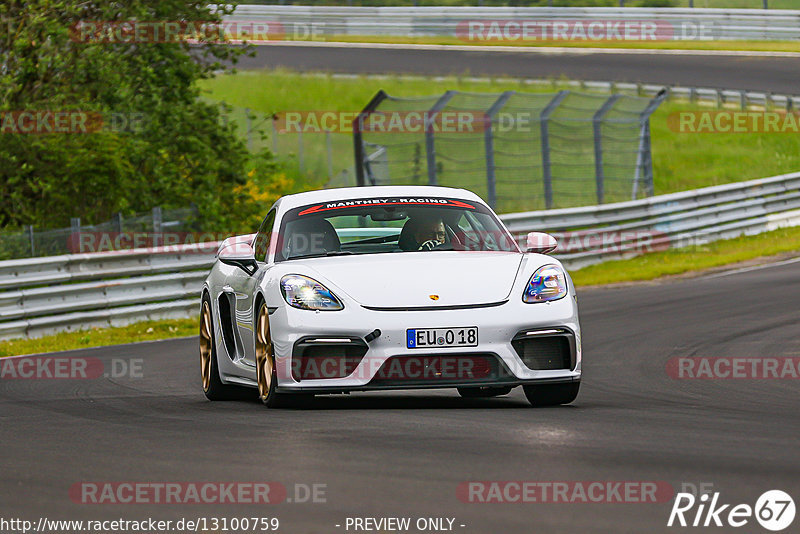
(379, 239)
(323, 254)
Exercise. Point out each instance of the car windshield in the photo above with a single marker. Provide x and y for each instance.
(388, 225)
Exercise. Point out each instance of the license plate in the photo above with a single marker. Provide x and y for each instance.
(424, 338)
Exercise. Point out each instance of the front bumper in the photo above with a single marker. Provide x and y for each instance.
(293, 331)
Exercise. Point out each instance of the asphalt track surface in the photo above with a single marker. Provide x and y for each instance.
(404, 454)
(756, 73)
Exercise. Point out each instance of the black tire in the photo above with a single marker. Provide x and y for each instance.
(551, 394)
(484, 392)
(212, 385)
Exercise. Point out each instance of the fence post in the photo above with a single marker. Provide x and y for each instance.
(249, 128)
(156, 224)
(116, 222)
(75, 232)
(358, 137)
(430, 149)
(29, 231)
(647, 161)
(544, 118)
(329, 146)
(597, 123)
(274, 135)
(644, 159)
(488, 141)
(300, 150)
(639, 162)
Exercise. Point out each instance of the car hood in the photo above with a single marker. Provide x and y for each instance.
(415, 279)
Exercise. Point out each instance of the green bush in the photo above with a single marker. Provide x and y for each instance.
(177, 152)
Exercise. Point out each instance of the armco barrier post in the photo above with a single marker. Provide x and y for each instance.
(544, 117)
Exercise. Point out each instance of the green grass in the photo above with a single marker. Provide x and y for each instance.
(96, 337)
(681, 161)
(684, 260)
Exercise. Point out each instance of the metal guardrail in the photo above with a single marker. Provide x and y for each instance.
(45, 295)
(721, 98)
(695, 217)
(686, 23)
(40, 296)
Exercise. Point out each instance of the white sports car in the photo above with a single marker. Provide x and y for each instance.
(383, 288)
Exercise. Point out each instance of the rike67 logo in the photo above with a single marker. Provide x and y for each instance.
(774, 510)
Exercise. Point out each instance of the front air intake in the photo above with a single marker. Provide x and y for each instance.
(545, 350)
(316, 358)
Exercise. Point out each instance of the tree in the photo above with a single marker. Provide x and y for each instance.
(150, 140)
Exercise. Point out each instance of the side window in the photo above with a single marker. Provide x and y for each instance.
(261, 245)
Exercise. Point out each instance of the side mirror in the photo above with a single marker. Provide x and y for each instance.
(239, 255)
(541, 243)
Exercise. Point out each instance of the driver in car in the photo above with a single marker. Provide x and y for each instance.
(429, 232)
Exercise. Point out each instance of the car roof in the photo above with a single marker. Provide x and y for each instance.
(350, 193)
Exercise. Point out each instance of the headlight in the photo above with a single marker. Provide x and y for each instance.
(308, 294)
(549, 282)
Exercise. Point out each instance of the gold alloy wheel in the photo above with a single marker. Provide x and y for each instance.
(264, 360)
(205, 345)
